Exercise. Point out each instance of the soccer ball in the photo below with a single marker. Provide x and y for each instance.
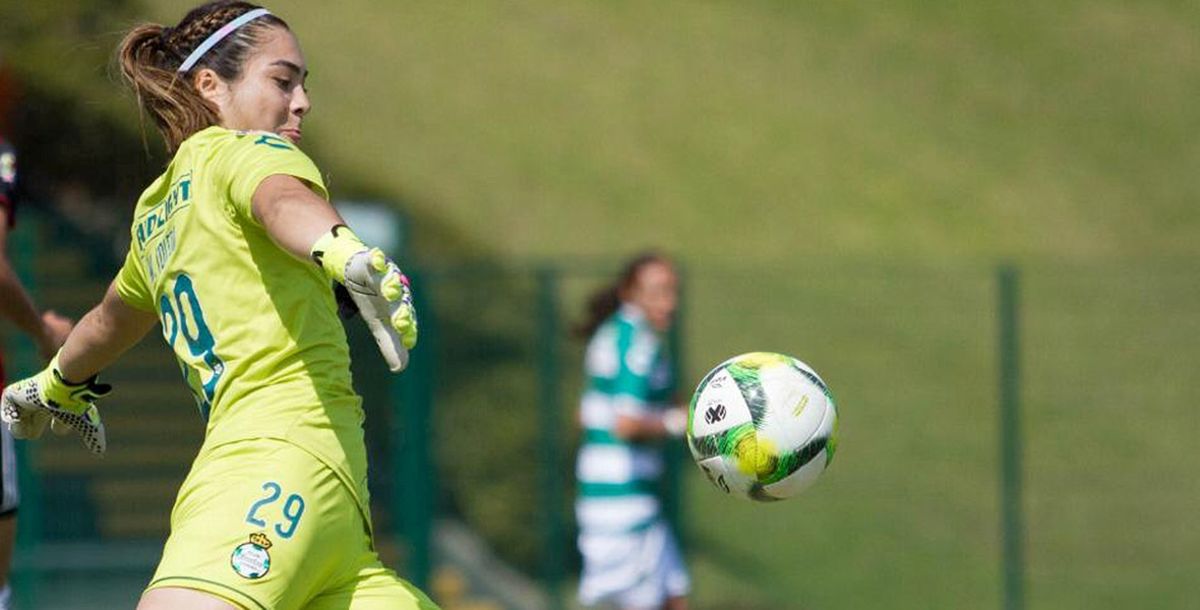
(762, 426)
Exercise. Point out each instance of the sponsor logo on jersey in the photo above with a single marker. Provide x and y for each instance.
(151, 223)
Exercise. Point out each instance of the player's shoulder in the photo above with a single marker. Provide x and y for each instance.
(633, 323)
(217, 140)
(626, 319)
(615, 333)
(266, 140)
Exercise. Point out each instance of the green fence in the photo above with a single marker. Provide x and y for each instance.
(504, 380)
(1098, 464)
(910, 515)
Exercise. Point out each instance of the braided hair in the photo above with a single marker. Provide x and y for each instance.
(150, 56)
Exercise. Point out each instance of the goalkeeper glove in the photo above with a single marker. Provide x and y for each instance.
(376, 286)
(28, 405)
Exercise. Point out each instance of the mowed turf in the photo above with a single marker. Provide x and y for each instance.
(766, 130)
(841, 179)
(908, 514)
(1111, 428)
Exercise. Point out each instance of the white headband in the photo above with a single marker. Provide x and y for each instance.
(220, 35)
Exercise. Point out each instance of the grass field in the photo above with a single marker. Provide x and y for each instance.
(1110, 426)
(908, 515)
(713, 128)
(840, 180)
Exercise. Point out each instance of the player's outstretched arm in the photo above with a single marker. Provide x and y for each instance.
(671, 422)
(293, 215)
(102, 336)
(305, 225)
(66, 391)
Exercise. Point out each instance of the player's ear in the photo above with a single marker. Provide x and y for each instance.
(210, 86)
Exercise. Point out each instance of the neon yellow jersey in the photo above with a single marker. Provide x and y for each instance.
(256, 331)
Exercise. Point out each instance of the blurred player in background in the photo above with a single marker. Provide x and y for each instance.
(233, 251)
(630, 557)
(47, 330)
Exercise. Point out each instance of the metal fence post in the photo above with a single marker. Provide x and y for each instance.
(413, 494)
(675, 451)
(1010, 439)
(549, 407)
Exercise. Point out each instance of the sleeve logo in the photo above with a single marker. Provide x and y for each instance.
(273, 141)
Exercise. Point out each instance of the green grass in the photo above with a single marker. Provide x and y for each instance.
(907, 516)
(764, 130)
(1110, 445)
(907, 512)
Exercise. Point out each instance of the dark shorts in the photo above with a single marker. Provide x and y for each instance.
(10, 494)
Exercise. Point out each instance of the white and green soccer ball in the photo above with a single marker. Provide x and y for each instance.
(762, 426)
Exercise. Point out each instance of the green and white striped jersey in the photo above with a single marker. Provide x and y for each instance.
(628, 371)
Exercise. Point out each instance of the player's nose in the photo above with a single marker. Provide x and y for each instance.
(301, 104)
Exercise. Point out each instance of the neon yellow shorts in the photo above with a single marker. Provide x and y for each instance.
(265, 525)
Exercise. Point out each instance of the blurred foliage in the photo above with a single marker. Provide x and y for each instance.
(486, 415)
(76, 130)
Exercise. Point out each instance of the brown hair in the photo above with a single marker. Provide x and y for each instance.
(150, 56)
(607, 300)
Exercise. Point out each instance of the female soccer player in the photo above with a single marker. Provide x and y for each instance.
(630, 557)
(274, 512)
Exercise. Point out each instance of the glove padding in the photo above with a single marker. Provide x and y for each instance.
(46, 398)
(385, 301)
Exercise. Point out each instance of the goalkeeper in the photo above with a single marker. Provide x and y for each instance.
(233, 252)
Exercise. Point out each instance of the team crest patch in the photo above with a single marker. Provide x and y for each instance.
(251, 559)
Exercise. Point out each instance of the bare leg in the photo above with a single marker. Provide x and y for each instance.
(178, 598)
(8, 533)
(676, 603)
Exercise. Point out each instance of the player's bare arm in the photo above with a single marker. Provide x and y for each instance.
(294, 216)
(65, 392)
(106, 332)
(307, 226)
(669, 423)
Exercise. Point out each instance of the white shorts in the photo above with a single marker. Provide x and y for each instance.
(632, 570)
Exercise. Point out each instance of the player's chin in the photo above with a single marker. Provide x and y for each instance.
(292, 135)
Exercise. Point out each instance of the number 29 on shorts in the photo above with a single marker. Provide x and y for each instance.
(292, 510)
